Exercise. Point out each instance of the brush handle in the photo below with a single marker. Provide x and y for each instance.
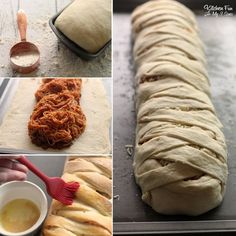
(23, 160)
(22, 24)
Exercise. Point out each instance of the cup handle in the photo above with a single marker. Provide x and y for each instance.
(22, 24)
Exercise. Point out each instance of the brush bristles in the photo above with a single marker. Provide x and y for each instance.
(68, 193)
(72, 186)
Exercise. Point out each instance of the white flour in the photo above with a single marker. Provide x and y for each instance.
(25, 59)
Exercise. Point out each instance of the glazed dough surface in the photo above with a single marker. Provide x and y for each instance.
(91, 212)
(180, 154)
(94, 102)
(87, 23)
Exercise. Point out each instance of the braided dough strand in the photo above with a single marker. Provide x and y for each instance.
(180, 155)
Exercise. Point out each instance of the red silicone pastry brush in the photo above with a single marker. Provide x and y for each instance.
(57, 188)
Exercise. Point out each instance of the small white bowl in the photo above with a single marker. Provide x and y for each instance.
(24, 190)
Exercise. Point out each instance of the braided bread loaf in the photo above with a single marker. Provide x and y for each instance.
(180, 155)
(90, 214)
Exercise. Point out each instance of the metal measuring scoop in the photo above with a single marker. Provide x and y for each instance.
(24, 56)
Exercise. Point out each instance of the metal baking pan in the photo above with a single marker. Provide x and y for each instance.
(3, 85)
(7, 89)
(51, 166)
(70, 44)
(131, 215)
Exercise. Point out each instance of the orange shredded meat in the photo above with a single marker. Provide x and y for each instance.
(57, 118)
(56, 86)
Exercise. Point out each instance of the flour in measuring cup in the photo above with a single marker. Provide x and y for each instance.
(25, 59)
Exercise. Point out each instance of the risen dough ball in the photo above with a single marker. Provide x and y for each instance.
(87, 23)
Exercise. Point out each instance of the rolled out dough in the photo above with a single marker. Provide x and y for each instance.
(94, 102)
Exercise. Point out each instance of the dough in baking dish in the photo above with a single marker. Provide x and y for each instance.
(87, 23)
(90, 213)
(180, 154)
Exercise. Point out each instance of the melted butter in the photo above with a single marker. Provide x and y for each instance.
(19, 215)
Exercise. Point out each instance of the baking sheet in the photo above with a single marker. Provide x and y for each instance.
(131, 215)
(6, 92)
(95, 102)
